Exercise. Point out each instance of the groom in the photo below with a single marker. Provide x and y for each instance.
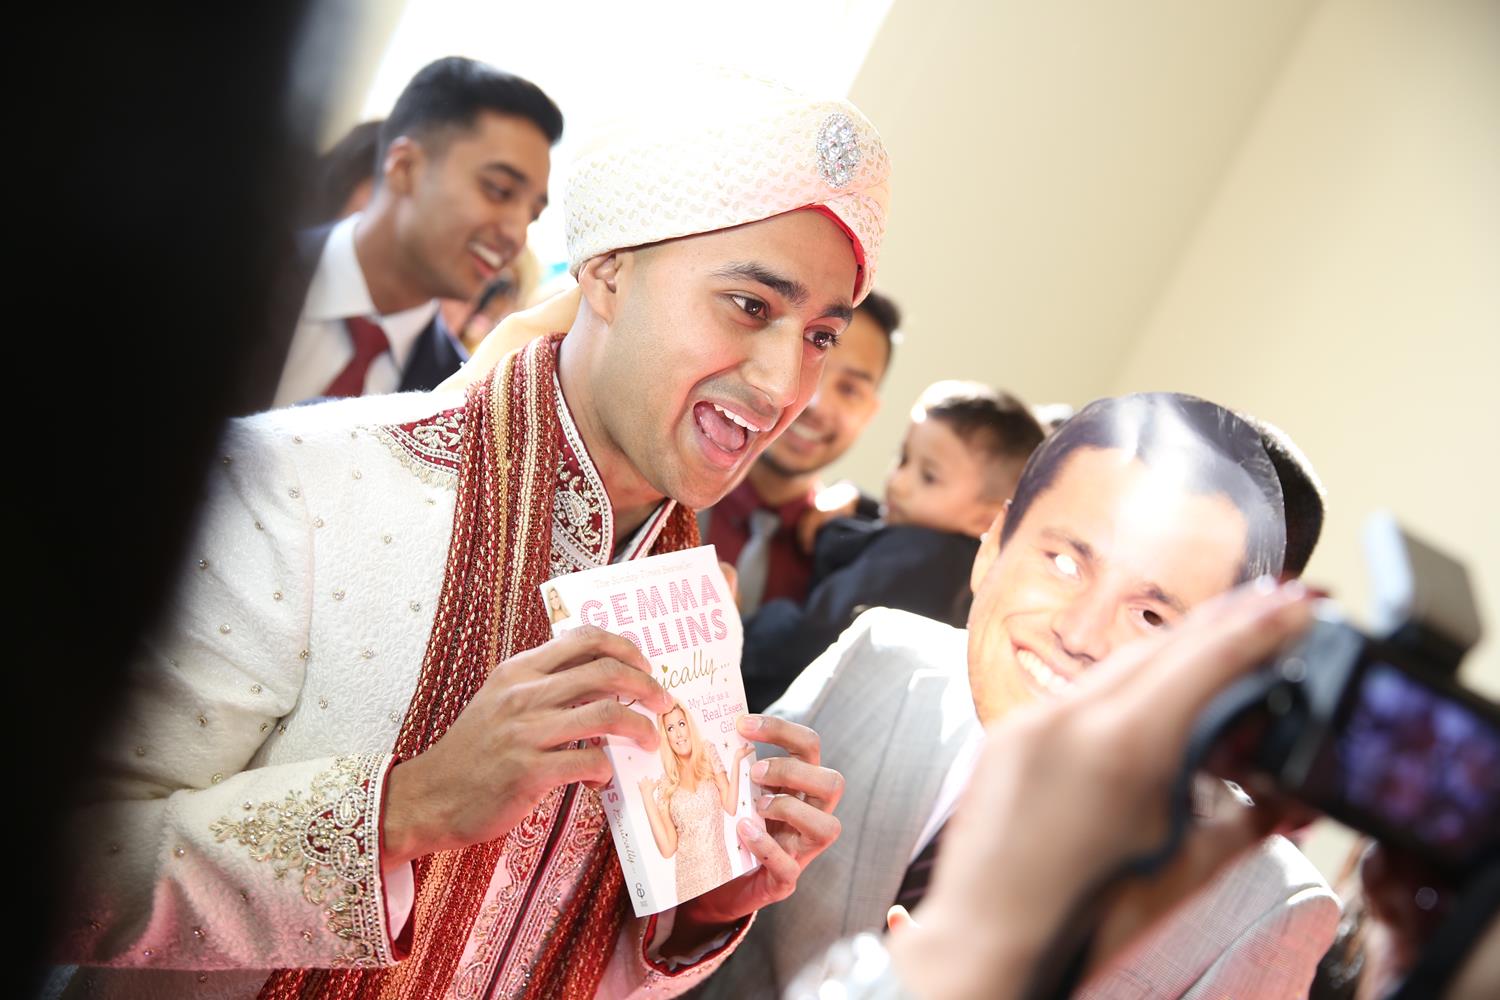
(352, 762)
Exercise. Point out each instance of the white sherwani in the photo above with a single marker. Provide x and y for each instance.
(235, 819)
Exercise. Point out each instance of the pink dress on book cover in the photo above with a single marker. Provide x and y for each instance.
(702, 862)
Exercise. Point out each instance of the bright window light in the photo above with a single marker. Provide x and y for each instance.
(589, 56)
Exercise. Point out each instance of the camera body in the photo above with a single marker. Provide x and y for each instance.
(1366, 732)
(1375, 731)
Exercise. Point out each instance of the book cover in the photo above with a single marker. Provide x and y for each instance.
(673, 811)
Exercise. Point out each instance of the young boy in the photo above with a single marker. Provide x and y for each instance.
(959, 461)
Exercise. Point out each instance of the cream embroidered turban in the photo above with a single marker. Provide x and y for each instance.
(732, 152)
(725, 154)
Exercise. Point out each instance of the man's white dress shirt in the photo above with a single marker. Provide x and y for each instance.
(321, 346)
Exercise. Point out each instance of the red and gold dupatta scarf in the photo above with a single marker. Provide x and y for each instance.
(488, 611)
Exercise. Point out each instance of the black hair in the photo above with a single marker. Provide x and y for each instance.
(988, 420)
(887, 316)
(339, 171)
(1301, 494)
(1214, 451)
(453, 92)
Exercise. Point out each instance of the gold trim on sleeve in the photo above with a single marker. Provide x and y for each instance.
(330, 835)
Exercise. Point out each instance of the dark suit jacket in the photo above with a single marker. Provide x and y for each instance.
(857, 564)
(434, 356)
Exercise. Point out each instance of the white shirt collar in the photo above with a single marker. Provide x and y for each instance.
(338, 291)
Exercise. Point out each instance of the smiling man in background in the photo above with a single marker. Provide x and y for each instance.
(755, 527)
(462, 171)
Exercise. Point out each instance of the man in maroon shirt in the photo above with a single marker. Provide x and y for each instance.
(755, 526)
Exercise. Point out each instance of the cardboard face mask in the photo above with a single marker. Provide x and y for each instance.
(1134, 511)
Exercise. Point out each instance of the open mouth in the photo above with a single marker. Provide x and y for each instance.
(807, 434)
(804, 439)
(1043, 676)
(486, 255)
(726, 432)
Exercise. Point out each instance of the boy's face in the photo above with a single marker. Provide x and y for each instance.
(938, 482)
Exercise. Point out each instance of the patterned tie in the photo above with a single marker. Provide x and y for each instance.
(754, 562)
(919, 873)
(370, 342)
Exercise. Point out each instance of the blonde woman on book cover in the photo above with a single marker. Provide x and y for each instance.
(556, 610)
(687, 806)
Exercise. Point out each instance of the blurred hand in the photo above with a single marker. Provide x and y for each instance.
(1066, 790)
(897, 919)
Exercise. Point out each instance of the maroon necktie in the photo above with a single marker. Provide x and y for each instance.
(370, 342)
(919, 873)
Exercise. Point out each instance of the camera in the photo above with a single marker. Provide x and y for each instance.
(1373, 729)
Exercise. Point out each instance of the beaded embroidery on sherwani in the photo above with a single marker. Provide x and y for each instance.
(510, 917)
(428, 447)
(582, 520)
(327, 836)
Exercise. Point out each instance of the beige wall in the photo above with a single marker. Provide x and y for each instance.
(1345, 282)
(1321, 245)
(1293, 208)
(358, 31)
(1050, 160)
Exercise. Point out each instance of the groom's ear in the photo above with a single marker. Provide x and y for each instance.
(599, 279)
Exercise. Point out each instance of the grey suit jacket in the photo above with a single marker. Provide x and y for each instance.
(891, 703)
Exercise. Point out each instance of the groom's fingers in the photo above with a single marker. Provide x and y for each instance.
(798, 741)
(780, 867)
(821, 787)
(814, 828)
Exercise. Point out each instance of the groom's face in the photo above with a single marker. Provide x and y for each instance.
(1108, 553)
(715, 344)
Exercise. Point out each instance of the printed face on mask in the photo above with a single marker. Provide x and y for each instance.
(1109, 552)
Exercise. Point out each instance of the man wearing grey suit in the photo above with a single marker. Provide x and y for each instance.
(1135, 511)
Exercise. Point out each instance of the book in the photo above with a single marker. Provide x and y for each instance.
(673, 811)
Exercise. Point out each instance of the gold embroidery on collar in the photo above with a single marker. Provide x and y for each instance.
(429, 447)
